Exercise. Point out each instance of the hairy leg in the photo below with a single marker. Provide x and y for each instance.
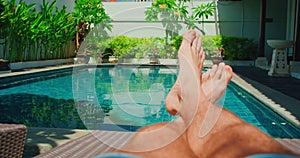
(191, 58)
(229, 136)
(168, 139)
(217, 132)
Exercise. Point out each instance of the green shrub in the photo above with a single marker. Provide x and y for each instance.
(176, 42)
(210, 45)
(121, 44)
(130, 47)
(236, 48)
(145, 47)
(231, 48)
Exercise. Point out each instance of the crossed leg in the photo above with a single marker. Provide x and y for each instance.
(228, 137)
(211, 88)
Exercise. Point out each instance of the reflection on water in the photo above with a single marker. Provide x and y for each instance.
(39, 111)
(130, 96)
(85, 98)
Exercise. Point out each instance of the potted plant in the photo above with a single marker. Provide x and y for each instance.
(113, 59)
(153, 57)
(4, 65)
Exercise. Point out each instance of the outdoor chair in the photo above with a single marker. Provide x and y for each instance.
(12, 139)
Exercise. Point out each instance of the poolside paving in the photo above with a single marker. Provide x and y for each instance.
(284, 91)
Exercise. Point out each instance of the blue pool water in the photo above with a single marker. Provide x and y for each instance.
(127, 96)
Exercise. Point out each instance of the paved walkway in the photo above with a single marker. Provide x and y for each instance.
(282, 90)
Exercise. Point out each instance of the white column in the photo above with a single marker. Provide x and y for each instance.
(279, 65)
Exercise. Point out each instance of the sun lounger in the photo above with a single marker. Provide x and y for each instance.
(95, 143)
(100, 142)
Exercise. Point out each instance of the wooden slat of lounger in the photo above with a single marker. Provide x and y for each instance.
(72, 147)
(90, 145)
(110, 139)
(292, 144)
(99, 142)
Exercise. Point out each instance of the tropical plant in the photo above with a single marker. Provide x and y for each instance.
(92, 13)
(170, 12)
(35, 35)
(58, 29)
(15, 20)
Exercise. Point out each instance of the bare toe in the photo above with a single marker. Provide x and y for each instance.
(229, 73)
(206, 75)
(220, 70)
(198, 52)
(188, 38)
(195, 44)
(202, 56)
(213, 70)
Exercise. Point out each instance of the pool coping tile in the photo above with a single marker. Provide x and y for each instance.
(247, 85)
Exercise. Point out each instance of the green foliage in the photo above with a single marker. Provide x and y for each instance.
(169, 12)
(141, 48)
(231, 48)
(92, 12)
(204, 10)
(177, 42)
(148, 48)
(121, 44)
(35, 35)
(46, 34)
(211, 45)
(131, 47)
(235, 48)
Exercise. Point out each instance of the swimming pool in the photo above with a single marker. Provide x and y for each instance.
(129, 96)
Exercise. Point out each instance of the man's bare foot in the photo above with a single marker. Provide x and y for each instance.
(191, 57)
(210, 79)
(173, 99)
(215, 81)
(214, 85)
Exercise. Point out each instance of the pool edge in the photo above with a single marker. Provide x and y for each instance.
(247, 86)
(244, 84)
